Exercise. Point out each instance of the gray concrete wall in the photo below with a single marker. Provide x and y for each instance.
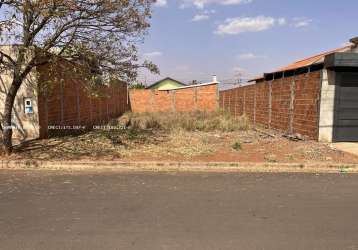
(25, 126)
(329, 101)
(327, 106)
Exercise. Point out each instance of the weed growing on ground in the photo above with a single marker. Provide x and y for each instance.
(237, 146)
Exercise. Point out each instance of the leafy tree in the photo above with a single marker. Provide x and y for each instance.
(102, 35)
(137, 86)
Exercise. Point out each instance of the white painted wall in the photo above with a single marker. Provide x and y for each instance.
(26, 125)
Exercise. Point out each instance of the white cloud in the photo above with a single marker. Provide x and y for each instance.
(161, 3)
(233, 2)
(249, 56)
(201, 3)
(300, 22)
(234, 26)
(207, 12)
(153, 54)
(198, 18)
(240, 73)
(281, 21)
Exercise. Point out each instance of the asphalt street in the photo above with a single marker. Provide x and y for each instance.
(124, 210)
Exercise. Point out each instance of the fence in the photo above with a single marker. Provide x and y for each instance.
(288, 104)
(192, 98)
(69, 104)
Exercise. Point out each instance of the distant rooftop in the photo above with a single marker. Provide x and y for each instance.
(306, 62)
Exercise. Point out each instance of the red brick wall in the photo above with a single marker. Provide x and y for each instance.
(250, 102)
(184, 100)
(294, 103)
(306, 105)
(202, 98)
(281, 90)
(262, 103)
(68, 101)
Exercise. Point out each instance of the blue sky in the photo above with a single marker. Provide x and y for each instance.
(193, 39)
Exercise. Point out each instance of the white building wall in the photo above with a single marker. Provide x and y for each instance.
(26, 126)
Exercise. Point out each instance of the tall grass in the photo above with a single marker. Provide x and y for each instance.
(195, 121)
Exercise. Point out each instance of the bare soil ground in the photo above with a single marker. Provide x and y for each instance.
(184, 146)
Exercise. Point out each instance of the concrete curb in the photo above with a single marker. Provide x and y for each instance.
(180, 166)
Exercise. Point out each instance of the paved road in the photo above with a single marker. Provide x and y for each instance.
(113, 210)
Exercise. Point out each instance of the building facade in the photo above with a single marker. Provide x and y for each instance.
(166, 84)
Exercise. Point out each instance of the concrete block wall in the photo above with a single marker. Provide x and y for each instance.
(329, 101)
(67, 102)
(288, 104)
(196, 98)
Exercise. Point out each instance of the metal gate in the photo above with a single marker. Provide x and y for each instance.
(346, 127)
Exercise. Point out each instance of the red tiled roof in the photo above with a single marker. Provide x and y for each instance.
(307, 61)
(311, 60)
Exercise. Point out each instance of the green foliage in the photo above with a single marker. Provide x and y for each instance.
(101, 37)
(137, 86)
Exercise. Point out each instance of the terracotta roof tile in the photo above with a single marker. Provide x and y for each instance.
(311, 60)
(307, 61)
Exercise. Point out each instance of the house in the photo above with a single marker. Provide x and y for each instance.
(54, 99)
(166, 84)
(316, 96)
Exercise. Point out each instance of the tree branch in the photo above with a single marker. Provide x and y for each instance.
(2, 54)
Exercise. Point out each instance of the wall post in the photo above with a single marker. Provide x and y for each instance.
(229, 103)
(223, 101)
(196, 98)
(217, 97)
(152, 97)
(61, 103)
(270, 104)
(292, 102)
(78, 108)
(174, 101)
(255, 104)
(46, 113)
(244, 103)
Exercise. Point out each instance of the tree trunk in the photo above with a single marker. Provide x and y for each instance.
(7, 122)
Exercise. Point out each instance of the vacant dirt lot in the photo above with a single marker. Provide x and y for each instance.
(181, 145)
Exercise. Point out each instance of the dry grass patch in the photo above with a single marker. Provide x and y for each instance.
(213, 137)
(158, 135)
(180, 143)
(195, 121)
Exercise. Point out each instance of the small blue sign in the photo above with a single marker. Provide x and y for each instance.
(29, 110)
